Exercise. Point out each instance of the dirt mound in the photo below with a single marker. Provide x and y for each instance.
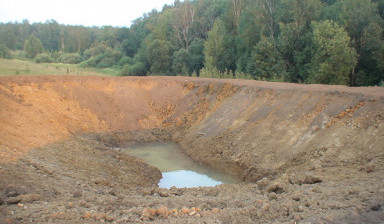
(306, 152)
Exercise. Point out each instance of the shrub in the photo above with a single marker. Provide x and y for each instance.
(210, 73)
(126, 60)
(213, 72)
(70, 58)
(96, 49)
(104, 60)
(33, 47)
(4, 52)
(242, 75)
(43, 58)
(138, 69)
(90, 62)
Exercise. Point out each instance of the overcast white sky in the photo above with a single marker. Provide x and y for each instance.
(79, 12)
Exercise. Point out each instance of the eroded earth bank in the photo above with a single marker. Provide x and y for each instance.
(306, 153)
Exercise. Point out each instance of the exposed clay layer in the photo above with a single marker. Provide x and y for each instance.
(305, 151)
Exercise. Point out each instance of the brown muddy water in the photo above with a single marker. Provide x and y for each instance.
(177, 168)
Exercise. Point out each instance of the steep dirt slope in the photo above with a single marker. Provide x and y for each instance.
(306, 152)
(263, 130)
(40, 110)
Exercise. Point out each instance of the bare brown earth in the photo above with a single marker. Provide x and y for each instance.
(306, 153)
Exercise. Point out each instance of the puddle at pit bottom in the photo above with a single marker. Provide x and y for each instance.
(178, 169)
(186, 178)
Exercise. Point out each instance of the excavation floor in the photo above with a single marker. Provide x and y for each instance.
(83, 180)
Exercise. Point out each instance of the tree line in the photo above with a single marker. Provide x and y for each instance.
(302, 41)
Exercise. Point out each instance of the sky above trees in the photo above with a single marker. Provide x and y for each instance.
(78, 12)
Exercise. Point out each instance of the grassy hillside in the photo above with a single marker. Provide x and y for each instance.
(23, 67)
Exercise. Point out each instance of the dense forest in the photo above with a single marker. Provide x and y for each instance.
(303, 41)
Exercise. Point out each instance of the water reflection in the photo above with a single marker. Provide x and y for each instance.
(186, 178)
(178, 169)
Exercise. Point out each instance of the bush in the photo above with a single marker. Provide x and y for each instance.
(210, 73)
(242, 75)
(70, 58)
(126, 60)
(138, 69)
(4, 52)
(213, 72)
(43, 58)
(90, 62)
(33, 47)
(97, 49)
(105, 60)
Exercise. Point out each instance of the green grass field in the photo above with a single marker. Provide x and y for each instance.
(25, 67)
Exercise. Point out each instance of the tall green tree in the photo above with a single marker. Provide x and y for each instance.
(4, 52)
(136, 36)
(50, 35)
(248, 35)
(215, 47)
(77, 39)
(266, 16)
(207, 12)
(356, 16)
(195, 50)
(269, 64)
(334, 59)
(33, 46)
(372, 60)
(7, 36)
(295, 39)
(181, 59)
(158, 54)
(182, 23)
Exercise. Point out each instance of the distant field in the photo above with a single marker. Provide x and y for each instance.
(22, 67)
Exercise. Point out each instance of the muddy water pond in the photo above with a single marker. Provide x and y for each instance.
(177, 168)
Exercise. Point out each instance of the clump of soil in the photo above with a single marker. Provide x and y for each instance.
(306, 153)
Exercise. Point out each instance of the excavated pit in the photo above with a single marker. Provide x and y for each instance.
(177, 169)
(305, 153)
